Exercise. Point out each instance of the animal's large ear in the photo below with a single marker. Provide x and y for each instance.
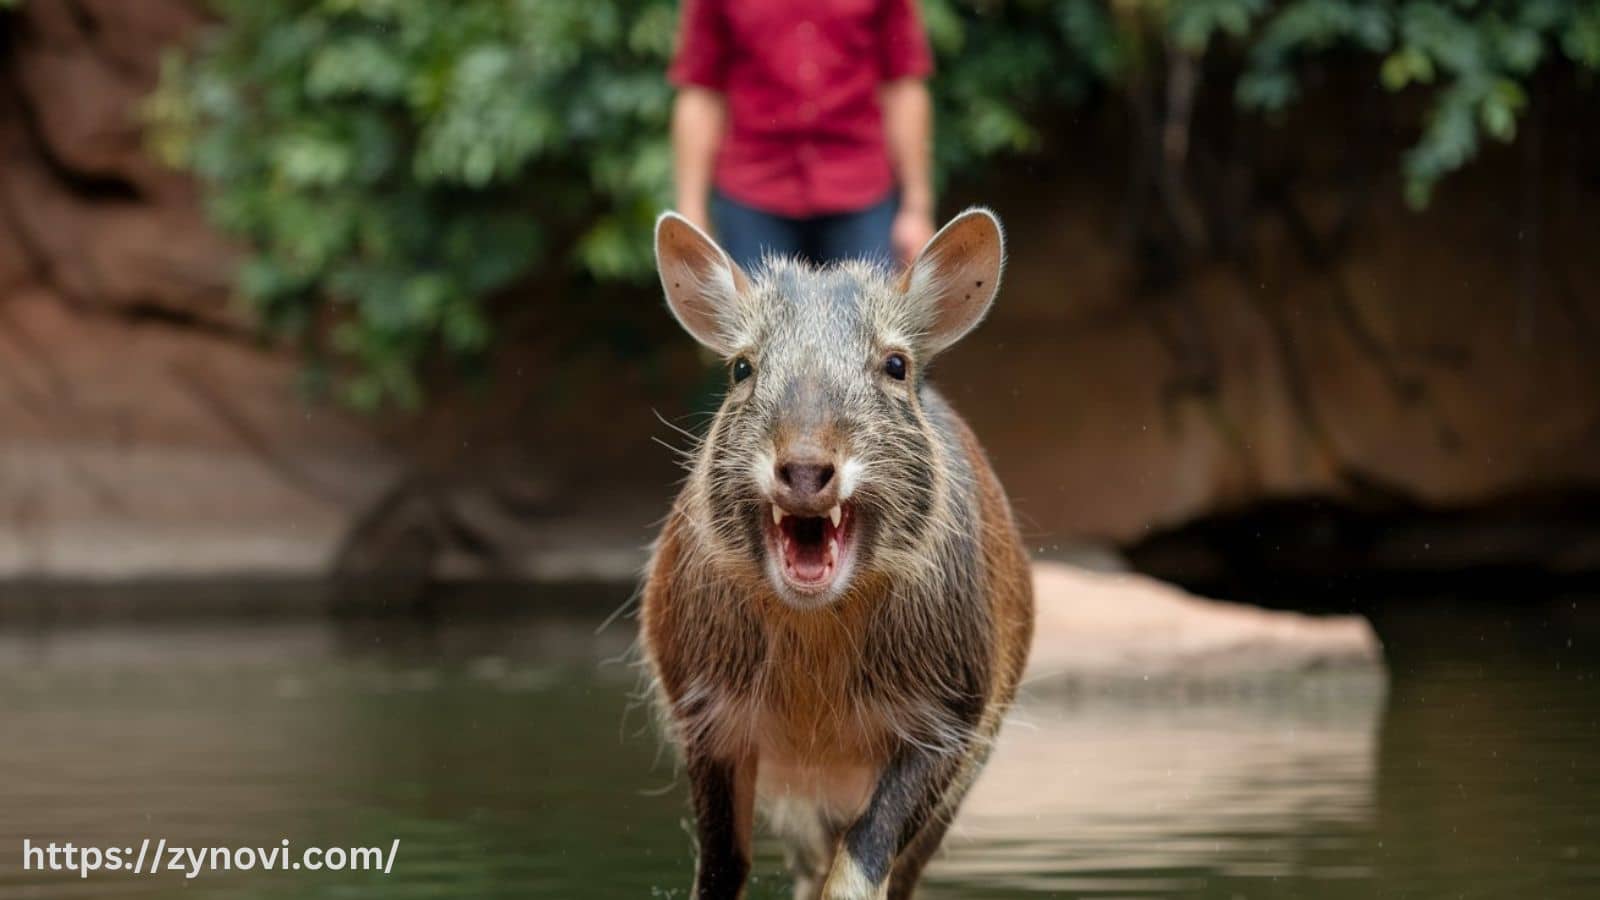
(701, 282)
(957, 276)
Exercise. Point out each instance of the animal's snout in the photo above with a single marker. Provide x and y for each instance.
(805, 479)
(806, 482)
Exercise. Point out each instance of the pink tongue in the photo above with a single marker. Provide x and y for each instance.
(807, 562)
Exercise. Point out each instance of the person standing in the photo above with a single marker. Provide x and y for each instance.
(804, 127)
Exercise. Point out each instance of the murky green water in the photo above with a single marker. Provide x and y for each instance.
(510, 760)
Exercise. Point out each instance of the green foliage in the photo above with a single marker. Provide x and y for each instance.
(1476, 57)
(998, 68)
(391, 165)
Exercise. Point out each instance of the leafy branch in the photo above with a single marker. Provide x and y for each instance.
(392, 167)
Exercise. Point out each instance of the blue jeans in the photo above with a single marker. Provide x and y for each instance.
(748, 233)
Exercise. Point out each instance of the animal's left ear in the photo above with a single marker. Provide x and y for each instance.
(703, 285)
(957, 275)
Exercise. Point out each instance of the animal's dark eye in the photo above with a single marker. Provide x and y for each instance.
(895, 367)
(742, 370)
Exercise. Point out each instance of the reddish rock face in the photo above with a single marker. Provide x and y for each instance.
(1440, 359)
(92, 214)
(1446, 357)
(141, 449)
(143, 429)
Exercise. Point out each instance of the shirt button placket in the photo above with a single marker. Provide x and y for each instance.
(809, 74)
(807, 153)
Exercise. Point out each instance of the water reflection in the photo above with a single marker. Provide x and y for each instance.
(1139, 793)
(506, 758)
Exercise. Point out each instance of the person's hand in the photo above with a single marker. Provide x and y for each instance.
(911, 231)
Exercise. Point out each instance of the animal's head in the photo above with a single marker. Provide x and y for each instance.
(822, 463)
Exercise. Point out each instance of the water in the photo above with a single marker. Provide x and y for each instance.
(511, 760)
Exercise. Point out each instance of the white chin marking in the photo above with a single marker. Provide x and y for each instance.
(811, 596)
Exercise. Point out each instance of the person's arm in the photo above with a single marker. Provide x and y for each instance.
(908, 129)
(700, 110)
(699, 117)
(904, 63)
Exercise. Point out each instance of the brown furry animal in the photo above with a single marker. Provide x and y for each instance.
(839, 607)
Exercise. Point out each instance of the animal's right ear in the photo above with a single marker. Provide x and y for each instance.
(702, 283)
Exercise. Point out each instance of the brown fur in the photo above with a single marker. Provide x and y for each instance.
(850, 718)
(796, 715)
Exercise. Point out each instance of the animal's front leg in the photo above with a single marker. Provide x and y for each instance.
(724, 805)
(915, 789)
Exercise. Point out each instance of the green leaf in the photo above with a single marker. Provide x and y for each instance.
(1500, 107)
(1406, 66)
(361, 65)
(1581, 41)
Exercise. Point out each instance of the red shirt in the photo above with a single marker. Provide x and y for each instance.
(805, 134)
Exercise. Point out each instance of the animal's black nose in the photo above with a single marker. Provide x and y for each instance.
(806, 479)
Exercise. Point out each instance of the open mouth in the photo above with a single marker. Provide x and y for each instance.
(811, 551)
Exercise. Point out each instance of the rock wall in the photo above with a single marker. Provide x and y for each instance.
(1351, 350)
(1444, 360)
(143, 428)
